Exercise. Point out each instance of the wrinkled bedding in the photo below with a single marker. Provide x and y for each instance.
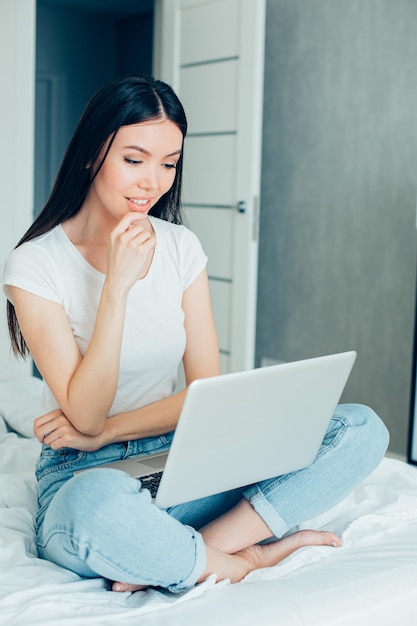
(371, 579)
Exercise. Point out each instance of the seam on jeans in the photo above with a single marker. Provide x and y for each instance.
(41, 473)
(336, 439)
(80, 547)
(152, 445)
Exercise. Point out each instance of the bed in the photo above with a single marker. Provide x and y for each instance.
(371, 579)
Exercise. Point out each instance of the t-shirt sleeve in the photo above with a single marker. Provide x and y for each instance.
(192, 258)
(28, 268)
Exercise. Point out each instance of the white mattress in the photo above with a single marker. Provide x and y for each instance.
(371, 580)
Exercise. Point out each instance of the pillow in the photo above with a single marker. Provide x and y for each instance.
(20, 402)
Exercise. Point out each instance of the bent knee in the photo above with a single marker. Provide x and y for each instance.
(91, 492)
(370, 430)
(97, 478)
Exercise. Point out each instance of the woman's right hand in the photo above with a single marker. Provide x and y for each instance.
(130, 245)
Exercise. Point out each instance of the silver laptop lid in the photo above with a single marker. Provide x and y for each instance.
(242, 428)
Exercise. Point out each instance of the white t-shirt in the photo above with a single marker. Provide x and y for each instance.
(153, 342)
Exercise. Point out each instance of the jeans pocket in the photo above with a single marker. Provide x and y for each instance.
(52, 460)
(149, 445)
(335, 432)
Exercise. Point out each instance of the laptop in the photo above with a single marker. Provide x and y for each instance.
(241, 428)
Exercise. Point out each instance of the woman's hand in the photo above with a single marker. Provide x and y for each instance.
(55, 430)
(128, 255)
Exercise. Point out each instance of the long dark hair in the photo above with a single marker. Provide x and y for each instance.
(121, 102)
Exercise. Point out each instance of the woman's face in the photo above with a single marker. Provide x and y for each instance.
(139, 168)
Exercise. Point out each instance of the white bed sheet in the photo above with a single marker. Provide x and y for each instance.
(372, 579)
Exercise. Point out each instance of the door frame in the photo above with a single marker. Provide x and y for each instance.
(248, 183)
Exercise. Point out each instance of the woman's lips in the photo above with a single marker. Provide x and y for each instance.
(139, 204)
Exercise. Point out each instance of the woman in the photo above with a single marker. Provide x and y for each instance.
(108, 292)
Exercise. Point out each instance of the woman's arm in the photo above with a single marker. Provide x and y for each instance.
(85, 387)
(201, 359)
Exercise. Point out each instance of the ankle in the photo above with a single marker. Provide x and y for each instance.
(231, 566)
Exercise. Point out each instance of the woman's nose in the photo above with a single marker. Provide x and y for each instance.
(148, 178)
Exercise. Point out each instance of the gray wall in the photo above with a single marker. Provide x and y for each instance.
(338, 239)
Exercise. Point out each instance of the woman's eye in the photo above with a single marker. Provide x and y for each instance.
(170, 166)
(132, 161)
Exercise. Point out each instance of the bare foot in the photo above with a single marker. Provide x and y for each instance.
(120, 587)
(271, 554)
(236, 566)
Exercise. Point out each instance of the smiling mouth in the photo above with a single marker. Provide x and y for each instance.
(139, 202)
(140, 206)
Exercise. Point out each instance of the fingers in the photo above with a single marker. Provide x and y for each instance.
(47, 424)
(134, 229)
(129, 251)
(47, 417)
(57, 437)
(128, 220)
(137, 235)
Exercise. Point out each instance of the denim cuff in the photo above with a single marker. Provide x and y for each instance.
(265, 510)
(199, 564)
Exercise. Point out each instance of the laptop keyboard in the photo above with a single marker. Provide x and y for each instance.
(151, 482)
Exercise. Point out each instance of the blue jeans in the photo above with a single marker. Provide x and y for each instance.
(101, 523)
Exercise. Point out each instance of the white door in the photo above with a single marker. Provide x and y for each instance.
(212, 53)
(17, 74)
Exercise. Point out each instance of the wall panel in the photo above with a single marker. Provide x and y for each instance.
(337, 237)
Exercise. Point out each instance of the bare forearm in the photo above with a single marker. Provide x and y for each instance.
(93, 387)
(56, 430)
(151, 421)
